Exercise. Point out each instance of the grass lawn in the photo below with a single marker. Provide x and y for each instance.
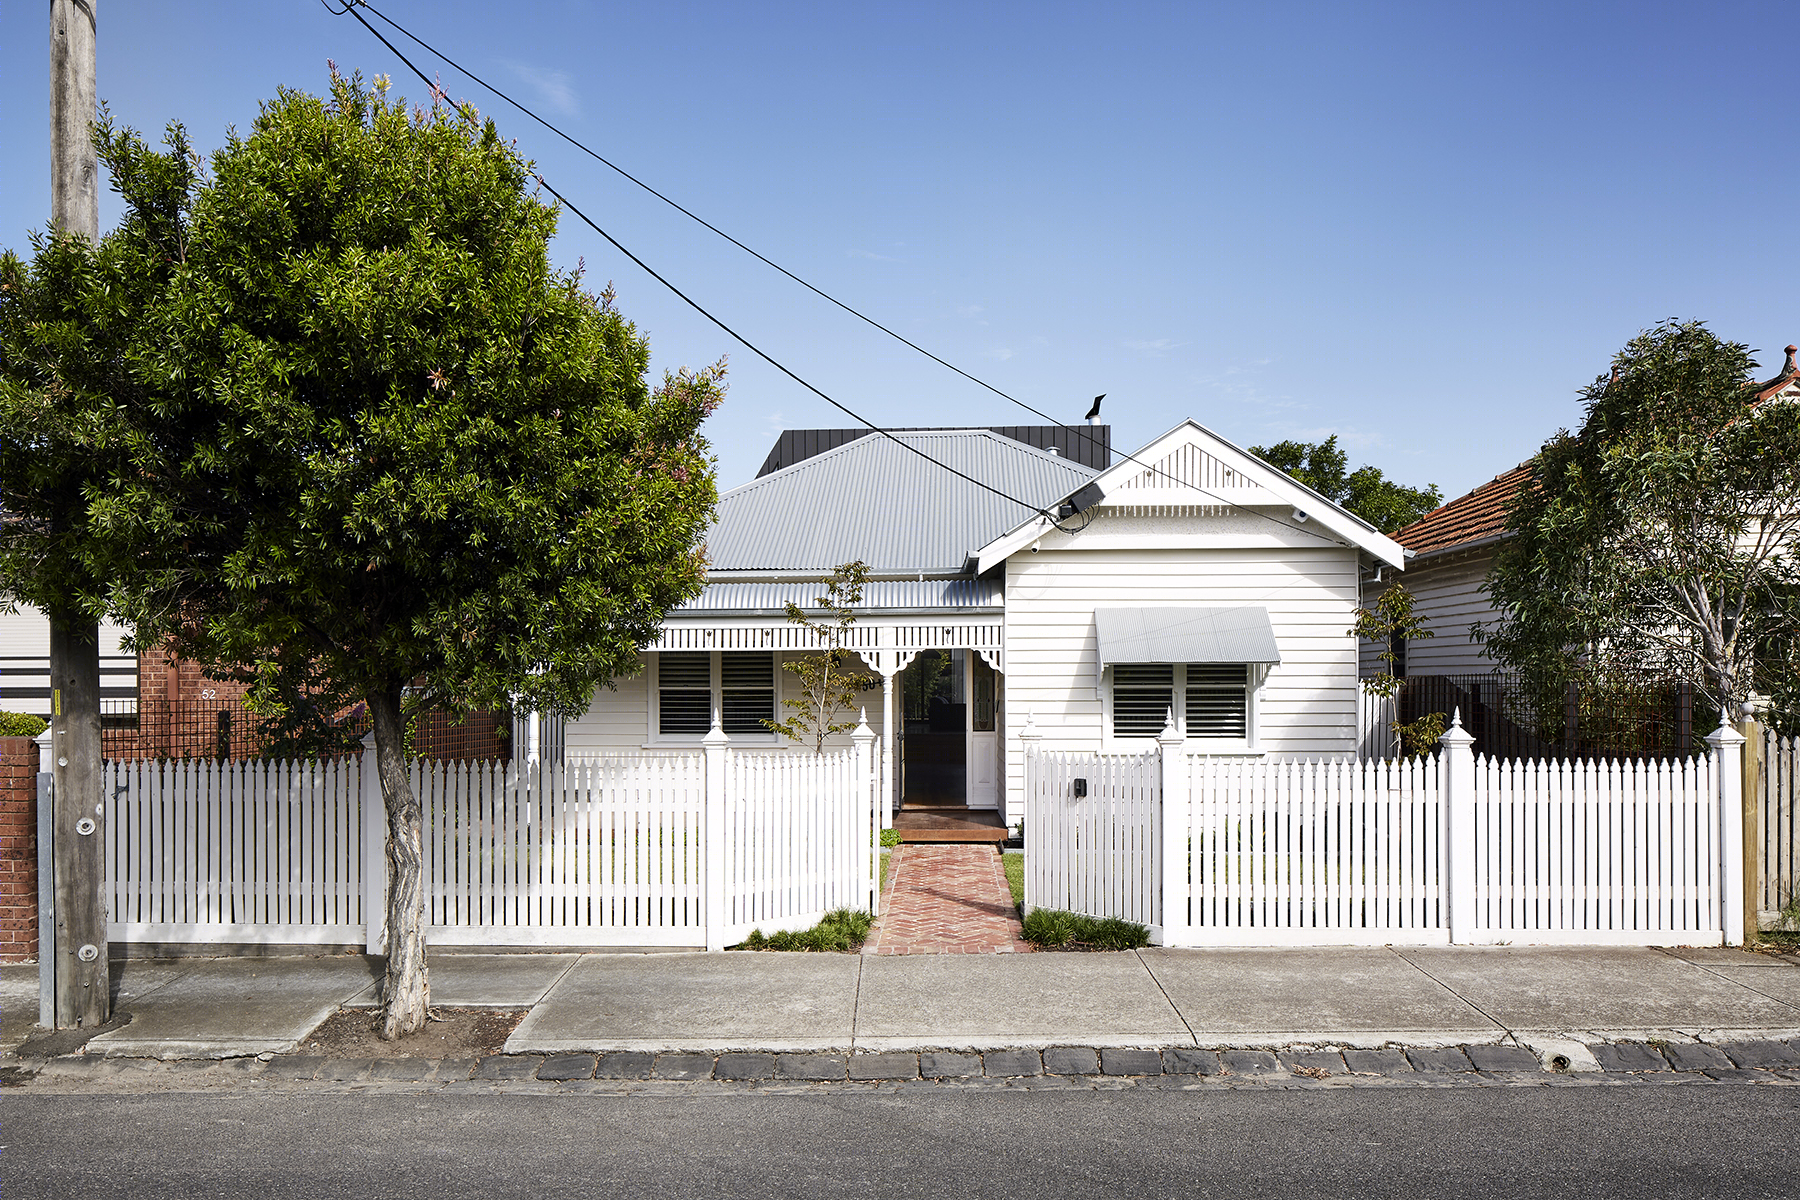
(1015, 878)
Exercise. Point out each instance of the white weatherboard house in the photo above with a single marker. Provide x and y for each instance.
(1091, 600)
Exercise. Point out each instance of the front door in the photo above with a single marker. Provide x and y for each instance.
(934, 752)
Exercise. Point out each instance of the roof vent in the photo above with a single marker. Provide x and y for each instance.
(1056, 451)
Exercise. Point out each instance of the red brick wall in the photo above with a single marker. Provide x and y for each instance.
(18, 849)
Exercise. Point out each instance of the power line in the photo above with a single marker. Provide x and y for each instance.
(351, 7)
(701, 309)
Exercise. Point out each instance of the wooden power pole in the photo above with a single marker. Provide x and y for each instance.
(82, 981)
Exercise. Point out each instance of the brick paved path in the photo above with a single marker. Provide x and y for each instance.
(947, 899)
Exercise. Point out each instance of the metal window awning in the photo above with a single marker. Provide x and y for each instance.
(1184, 635)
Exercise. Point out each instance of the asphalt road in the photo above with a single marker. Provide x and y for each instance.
(1639, 1141)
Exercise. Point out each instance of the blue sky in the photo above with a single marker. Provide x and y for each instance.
(1421, 227)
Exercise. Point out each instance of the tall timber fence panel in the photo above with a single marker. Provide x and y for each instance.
(1778, 809)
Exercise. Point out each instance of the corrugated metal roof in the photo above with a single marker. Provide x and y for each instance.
(878, 502)
(886, 594)
(1185, 635)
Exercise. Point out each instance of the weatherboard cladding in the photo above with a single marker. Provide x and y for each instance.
(887, 594)
(876, 501)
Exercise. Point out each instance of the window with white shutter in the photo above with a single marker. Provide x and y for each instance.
(746, 691)
(1209, 701)
(1217, 701)
(684, 693)
(1142, 695)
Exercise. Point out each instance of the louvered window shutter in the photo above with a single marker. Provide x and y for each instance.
(684, 693)
(747, 684)
(1217, 700)
(1142, 695)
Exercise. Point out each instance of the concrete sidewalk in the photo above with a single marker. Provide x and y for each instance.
(1354, 997)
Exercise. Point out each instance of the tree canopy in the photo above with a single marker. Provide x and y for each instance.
(72, 406)
(1365, 491)
(1658, 541)
(384, 450)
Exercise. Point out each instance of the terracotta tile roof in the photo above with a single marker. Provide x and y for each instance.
(1476, 517)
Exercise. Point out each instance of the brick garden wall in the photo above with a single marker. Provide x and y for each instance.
(18, 849)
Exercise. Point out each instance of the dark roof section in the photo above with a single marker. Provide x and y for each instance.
(1479, 516)
(1089, 445)
(1790, 375)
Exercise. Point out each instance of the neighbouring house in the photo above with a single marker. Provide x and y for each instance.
(25, 665)
(1450, 551)
(1019, 577)
(1451, 548)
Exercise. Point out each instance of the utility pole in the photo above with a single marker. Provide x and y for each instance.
(81, 979)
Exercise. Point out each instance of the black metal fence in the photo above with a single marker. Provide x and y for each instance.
(1617, 719)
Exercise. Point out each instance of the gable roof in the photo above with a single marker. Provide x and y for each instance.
(1469, 520)
(875, 500)
(1190, 466)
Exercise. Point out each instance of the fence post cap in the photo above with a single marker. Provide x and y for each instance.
(1456, 735)
(716, 735)
(1725, 735)
(43, 739)
(1031, 732)
(862, 732)
(1170, 736)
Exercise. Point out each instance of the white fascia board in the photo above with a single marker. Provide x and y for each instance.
(1010, 543)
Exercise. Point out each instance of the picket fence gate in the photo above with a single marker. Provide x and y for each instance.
(1449, 849)
(672, 850)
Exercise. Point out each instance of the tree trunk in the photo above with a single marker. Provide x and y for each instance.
(406, 992)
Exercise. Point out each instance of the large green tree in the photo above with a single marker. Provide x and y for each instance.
(1324, 468)
(1659, 541)
(399, 456)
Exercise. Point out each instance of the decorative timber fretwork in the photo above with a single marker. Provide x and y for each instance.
(886, 645)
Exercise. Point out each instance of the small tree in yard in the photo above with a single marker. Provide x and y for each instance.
(827, 686)
(1390, 624)
(1661, 540)
(402, 458)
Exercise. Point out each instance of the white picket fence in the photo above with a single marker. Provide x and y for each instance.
(1219, 851)
(679, 850)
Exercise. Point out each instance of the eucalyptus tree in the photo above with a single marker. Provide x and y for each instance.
(1660, 541)
(402, 459)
